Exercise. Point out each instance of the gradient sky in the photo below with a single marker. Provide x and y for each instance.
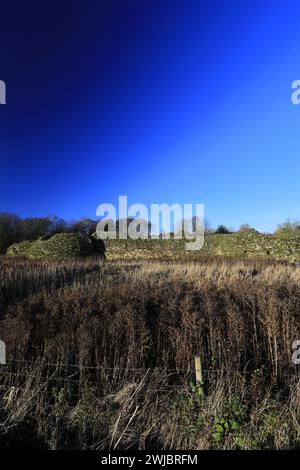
(161, 100)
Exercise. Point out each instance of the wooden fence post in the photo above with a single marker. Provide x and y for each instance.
(2, 353)
(198, 370)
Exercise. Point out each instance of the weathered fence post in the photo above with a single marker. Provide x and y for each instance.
(199, 379)
(2, 353)
(198, 370)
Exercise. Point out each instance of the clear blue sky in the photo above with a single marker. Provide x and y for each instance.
(160, 100)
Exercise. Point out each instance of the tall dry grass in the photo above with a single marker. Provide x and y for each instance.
(104, 357)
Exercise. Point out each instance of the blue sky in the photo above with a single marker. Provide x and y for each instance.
(162, 101)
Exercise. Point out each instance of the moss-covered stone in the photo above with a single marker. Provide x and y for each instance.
(19, 249)
(243, 244)
(60, 245)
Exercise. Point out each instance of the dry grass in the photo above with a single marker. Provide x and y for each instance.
(101, 356)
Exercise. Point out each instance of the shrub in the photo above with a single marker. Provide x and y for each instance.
(222, 229)
(288, 228)
(245, 228)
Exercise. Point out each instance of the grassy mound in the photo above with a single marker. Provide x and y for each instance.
(60, 245)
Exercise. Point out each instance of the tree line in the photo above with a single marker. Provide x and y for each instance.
(14, 229)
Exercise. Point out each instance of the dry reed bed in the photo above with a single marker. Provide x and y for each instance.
(109, 362)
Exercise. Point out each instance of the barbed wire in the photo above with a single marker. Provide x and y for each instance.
(127, 368)
(169, 371)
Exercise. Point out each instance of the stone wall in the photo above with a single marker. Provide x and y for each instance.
(246, 244)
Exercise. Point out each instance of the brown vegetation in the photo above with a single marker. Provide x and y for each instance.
(101, 356)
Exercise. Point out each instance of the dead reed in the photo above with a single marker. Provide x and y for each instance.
(102, 356)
